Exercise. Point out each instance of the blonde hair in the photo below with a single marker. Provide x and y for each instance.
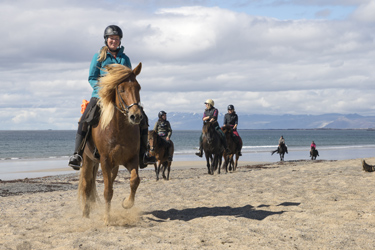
(116, 73)
(103, 54)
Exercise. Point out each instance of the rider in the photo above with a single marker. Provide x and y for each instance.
(282, 143)
(231, 119)
(211, 114)
(164, 130)
(111, 53)
(313, 146)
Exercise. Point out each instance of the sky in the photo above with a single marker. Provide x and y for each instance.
(263, 56)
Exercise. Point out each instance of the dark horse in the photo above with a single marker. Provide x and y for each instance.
(159, 149)
(212, 146)
(281, 151)
(234, 145)
(117, 138)
(313, 153)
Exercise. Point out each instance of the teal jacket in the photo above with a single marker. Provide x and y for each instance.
(96, 67)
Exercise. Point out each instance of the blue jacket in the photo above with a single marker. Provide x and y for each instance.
(96, 67)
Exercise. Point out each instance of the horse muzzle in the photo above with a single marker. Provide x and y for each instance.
(135, 118)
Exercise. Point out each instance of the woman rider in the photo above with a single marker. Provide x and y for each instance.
(231, 119)
(163, 129)
(211, 114)
(111, 53)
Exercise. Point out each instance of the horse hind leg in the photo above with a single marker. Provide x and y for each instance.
(87, 185)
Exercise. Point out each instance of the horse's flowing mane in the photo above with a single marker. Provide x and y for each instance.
(115, 74)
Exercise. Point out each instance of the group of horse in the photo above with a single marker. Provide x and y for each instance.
(214, 150)
(121, 114)
(282, 149)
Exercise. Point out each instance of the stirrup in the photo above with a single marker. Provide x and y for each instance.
(149, 159)
(75, 162)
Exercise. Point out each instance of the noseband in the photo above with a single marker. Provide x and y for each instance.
(124, 109)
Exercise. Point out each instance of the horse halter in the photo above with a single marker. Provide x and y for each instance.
(124, 109)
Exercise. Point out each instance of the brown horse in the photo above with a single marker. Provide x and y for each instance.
(117, 137)
(212, 146)
(158, 148)
(234, 145)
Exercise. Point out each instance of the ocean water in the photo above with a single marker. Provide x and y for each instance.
(50, 144)
(21, 150)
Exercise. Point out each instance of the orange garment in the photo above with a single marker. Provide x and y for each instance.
(84, 105)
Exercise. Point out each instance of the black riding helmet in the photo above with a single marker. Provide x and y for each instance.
(161, 113)
(230, 107)
(112, 30)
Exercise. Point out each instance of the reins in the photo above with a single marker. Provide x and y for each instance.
(124, 109)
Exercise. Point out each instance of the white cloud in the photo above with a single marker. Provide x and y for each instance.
(260, 64)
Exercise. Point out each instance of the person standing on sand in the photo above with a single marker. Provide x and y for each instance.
(111, 53)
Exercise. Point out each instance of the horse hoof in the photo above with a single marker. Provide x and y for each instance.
(127, 204)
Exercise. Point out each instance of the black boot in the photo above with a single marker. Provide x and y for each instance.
(76, 159)
(144, 158)
(200, 152)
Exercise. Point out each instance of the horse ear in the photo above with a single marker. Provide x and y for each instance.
(137, 69)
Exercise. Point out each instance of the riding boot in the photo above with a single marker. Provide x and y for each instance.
(144, 158)
(200, 152)
(76, 159)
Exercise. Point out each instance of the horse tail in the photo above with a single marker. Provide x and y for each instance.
(274, 151)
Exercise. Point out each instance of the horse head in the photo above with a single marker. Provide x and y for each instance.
(119, 90)
(152, 139)
(208, 131)
(227, 129)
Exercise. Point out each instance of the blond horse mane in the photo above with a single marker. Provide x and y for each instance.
(115, 74)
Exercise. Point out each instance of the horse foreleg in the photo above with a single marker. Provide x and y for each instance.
(156, 172)
(165, 165)
(213, 164)
(169, 169)
(114, 173)
(134, 183)
(208, 163)
(108, 189)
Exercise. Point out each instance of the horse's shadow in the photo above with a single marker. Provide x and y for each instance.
(188, 214)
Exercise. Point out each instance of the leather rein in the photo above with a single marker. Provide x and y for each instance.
(124, 109)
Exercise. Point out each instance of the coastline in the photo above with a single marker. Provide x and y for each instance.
(33, 168)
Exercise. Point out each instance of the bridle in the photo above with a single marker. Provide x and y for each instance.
(124, 109)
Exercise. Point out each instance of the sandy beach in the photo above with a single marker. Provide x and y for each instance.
(290, 205)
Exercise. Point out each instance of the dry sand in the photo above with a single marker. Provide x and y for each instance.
(290, 205)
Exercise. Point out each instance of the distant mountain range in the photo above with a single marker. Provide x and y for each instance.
(193, 121)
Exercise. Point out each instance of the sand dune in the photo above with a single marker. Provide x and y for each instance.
(291, 205)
